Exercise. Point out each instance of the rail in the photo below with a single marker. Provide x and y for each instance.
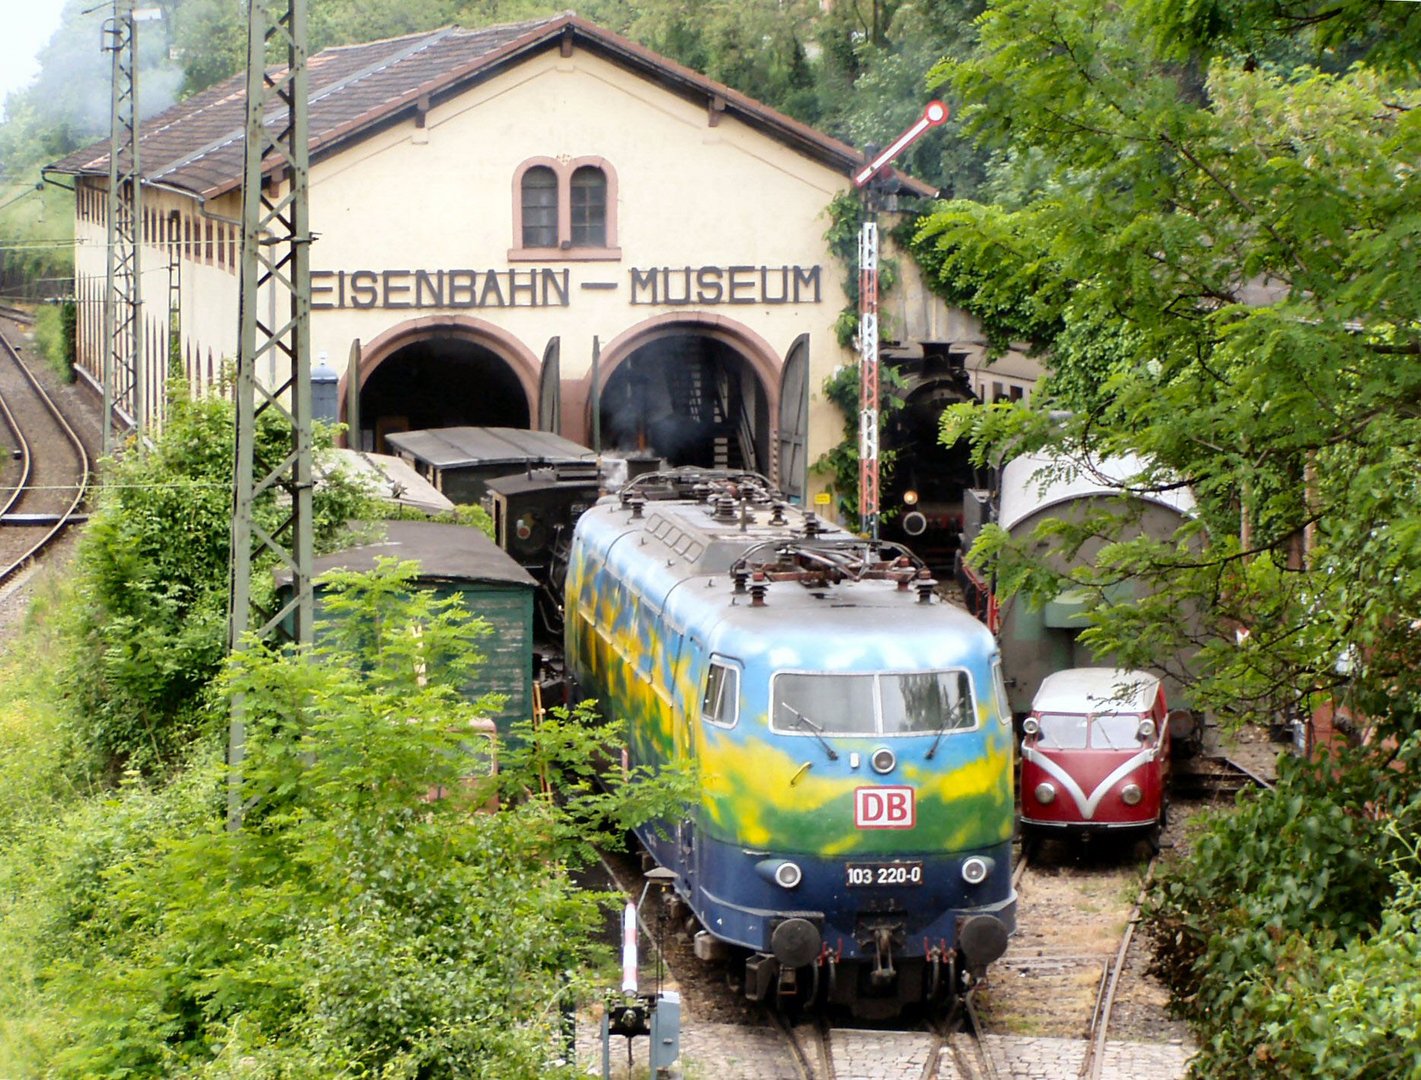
(1094, 1061)
(57, 522)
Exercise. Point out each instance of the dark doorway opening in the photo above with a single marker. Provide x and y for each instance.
(691, 400)
(440, 382)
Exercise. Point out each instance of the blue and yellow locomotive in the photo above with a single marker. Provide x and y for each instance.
(847, 728)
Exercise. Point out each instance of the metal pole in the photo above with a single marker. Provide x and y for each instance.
(868, 371)
(275, 253)
(934, 113)
(122, 324)
(596, 398)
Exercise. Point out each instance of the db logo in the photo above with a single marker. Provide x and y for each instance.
(884, 808)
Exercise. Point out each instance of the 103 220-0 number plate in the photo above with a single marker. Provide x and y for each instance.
(895, 873)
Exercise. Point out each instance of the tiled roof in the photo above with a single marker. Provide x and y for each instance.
(196, 146)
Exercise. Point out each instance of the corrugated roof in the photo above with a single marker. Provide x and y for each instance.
(444, 553)
(461, 447)
(196, 145)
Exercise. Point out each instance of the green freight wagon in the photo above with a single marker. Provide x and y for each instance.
(462, 561)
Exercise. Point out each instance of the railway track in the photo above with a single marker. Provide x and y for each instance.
(1212, 776)
(1069, 1000)
(1059, 980)
(46, 473)
(934, 1050)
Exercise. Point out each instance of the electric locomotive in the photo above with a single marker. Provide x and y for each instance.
(850, 835)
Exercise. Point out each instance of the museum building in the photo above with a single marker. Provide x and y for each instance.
(538, 225)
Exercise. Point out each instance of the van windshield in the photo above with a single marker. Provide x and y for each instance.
(1103, 731)
(1115, 731)
(1062, 731)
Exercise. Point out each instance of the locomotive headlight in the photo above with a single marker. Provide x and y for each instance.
(1131, 794)
(1031, 726)
(1045, 793)
(910, 497)
(976, 869)
(882, 760)
(914, 523)
(1147, 729)
(782, 872)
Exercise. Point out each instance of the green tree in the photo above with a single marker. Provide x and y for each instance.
(147, 626)
(1211, 244)
(1211, 253)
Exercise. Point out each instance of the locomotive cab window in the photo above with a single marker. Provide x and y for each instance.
(721, 702)
(903, 703)
(999, 688)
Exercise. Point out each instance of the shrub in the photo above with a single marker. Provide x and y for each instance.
(354, 923)
(147, 629)
(1299, 888)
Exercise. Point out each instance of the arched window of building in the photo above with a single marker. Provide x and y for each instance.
(540, 207)
(589, 207)
(564, 209)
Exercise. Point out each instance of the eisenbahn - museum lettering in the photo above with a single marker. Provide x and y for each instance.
(548, 287)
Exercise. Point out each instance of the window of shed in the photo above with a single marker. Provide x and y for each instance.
(589, 207)
(540, 207)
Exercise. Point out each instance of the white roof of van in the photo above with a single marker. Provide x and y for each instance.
(1096, 689)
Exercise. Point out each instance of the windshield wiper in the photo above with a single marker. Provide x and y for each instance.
(961, 711)
(800, 720)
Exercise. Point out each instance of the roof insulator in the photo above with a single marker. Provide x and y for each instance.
(758, 588)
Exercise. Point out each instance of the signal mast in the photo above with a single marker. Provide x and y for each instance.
(934, 113)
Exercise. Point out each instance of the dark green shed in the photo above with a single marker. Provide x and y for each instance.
(455, 559)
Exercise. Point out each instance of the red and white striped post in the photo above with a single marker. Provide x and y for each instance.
(934, 114)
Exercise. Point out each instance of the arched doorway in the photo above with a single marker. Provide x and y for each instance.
(691, 393)
(436, 374)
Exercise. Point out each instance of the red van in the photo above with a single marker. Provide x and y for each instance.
(1095, 754)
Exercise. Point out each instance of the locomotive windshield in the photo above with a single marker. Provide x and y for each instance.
(887, 704)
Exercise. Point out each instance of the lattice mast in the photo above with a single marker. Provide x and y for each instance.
(276, 266)
(935, 113)
(123, 302)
